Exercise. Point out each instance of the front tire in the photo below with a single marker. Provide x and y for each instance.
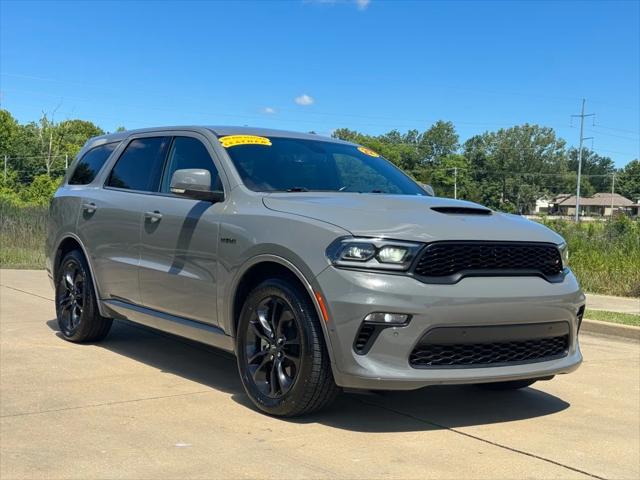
(282, 358)
(76, 306)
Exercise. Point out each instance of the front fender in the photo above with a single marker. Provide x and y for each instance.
(296, 266)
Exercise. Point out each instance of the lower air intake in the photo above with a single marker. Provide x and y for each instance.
(489, 354)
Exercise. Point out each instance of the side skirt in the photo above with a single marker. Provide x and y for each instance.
(182, 327)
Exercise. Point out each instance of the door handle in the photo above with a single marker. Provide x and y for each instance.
(89, 207)
(153, 217)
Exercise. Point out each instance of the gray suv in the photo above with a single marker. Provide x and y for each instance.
(318, 263)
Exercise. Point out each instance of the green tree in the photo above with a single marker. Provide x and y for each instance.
(8, 133)
(514, 166)
(451, 177)
(439, 141)
(40, 190)
(597, 171)
(41, 147)
(628, 181)
(71, 135)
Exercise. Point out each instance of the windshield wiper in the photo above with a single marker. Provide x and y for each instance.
(297, 189)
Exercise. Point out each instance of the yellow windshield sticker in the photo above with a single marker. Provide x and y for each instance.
(235, 140)
(368, 151)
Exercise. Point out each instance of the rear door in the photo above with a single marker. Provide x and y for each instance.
(112, 215)
(179, 239)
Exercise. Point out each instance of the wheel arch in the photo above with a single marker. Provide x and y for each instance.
(257, 269)
(65, 245)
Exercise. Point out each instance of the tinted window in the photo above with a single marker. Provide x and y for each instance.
(187, 152)
(140, 165)
(291, 164)
(91, 163)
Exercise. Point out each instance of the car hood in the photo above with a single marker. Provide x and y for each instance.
(405, 217)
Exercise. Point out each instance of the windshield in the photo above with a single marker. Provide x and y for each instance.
(295, 165)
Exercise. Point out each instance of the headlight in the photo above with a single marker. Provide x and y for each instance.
(372, 253)
(564, 253)
(392, 254)
(358, 252)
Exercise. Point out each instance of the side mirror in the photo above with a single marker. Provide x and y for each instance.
(194, 183)
(429, 189)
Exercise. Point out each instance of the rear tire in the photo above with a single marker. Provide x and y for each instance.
(511, 385)
(282, 357)
(76, 306)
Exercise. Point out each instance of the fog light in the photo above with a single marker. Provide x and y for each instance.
(387, 318)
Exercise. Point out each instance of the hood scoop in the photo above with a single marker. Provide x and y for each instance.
(462, 210)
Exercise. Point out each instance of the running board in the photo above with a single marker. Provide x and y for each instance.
(182, 327)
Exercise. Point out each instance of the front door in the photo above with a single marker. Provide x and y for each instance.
(179, 240)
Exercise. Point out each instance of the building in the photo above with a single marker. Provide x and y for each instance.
(545, 205)
(602, 204)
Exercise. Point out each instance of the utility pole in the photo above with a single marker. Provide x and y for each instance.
(613, 186)
(49, 162)
(5, 168)
(66, 161)
(455, 182)
(582, 117)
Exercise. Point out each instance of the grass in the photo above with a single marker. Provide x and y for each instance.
(605, 256)
(613, 317)
(22, 235)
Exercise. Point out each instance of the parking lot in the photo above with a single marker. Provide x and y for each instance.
(143, 404)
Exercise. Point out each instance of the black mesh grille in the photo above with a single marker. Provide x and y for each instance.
(451, 259)
(482, 354)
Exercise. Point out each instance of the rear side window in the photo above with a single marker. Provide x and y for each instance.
(187, 152)
(140, 165)
(91, 163)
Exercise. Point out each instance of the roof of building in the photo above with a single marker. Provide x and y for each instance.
(601, 199)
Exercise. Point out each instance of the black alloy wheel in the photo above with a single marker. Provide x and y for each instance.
(71, 297)
(273, 347)
(282, 356)
(77, 310)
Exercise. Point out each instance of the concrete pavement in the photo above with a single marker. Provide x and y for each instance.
(613, 304)
(147, 405)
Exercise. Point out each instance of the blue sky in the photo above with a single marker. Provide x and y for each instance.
(321, 65)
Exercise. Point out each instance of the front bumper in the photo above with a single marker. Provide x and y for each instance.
(351, 295)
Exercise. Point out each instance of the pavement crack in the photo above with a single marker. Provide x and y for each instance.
(484, 440)
(106, 404)
(28, 293)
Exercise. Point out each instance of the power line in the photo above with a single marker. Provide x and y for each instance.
(597, 125)
(393, 120)
(143, 88)
(582, 138)
(607, 134)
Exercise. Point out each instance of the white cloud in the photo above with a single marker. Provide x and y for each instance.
(304, 100)
(269, 110)
(362, 4)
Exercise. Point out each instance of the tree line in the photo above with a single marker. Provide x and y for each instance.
(507, 169)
